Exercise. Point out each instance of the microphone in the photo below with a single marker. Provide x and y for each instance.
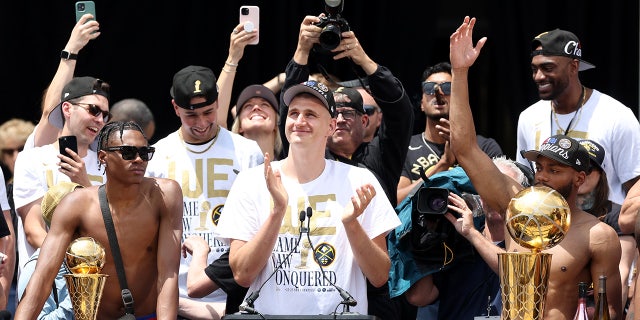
(247, 305)
(347, 298)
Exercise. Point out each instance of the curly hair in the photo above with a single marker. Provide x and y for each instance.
(116, 127)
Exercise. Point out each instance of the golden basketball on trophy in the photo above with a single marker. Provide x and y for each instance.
(85, 258)
(537, 218)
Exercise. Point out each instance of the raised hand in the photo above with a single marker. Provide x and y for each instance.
(462, 53)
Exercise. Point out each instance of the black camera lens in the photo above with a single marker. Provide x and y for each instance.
(245, 11)
(437, 203)
(80, 6)
(433, 201)
(330, 37)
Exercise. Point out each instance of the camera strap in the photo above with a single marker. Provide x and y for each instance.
(127, 297)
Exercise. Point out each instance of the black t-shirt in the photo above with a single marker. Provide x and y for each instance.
(425, 154)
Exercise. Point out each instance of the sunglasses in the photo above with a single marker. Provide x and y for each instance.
(431, 87)
(370, 109)
(94, 110)
(130, 152)
(10, 151)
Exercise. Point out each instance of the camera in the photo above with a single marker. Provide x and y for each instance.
(81, 6)
(332, 24)
(245, 11)
(432, 201)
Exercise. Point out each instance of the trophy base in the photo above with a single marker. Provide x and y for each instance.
(85, 291)
(524, 279)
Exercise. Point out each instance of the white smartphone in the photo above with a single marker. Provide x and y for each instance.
(250, 18)
(83, 7)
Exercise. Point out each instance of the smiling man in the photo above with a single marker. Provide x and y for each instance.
(205, 159)
(82, 112)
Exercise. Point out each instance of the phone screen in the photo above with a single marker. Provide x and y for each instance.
(83, 7)
(250, 17)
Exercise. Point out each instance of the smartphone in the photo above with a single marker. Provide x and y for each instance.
(250, 18)
(68, 142)
(83, 7)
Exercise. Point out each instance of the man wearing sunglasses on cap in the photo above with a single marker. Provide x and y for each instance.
(428, 150)
(82, 112)
(147, 217)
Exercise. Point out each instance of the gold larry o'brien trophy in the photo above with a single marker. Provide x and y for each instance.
(537, 218)
(85, 258)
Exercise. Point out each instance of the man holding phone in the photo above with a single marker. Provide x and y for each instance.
(82, 112)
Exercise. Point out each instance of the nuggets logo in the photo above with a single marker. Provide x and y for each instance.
(325, 254)
(215, 214)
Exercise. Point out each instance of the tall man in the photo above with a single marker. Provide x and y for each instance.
(146, 215)
(205, 159)
(589, 249)
(568, 107)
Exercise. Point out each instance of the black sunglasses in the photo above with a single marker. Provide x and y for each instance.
(431, 87)
(370, 109)
(94, 110)
(130, 152)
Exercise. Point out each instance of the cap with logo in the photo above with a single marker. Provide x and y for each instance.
(596, 152)
(257, 90)
(348, 97)
(76, 88)
(194, 81)
(318, 89)
(559, 43)
(563, 149)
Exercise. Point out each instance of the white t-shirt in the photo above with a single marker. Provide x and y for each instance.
(36, 170)
(601, 119)
(298, 287)
(206, 176)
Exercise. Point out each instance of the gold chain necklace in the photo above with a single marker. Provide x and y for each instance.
(428, 146)
(578, 113)
(213, 141)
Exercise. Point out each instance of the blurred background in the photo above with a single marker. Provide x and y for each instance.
(143, 43)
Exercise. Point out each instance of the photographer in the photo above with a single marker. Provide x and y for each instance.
(385, 154)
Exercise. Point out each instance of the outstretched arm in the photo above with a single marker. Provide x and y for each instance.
(494, 187)
(238, 41)
(82, 33)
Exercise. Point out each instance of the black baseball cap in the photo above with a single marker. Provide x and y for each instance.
(596, 152)
(563, 149)
(76, 88)
(348, 97)
(560, 43)
(318, 89)
(257, 90)
(194, 81)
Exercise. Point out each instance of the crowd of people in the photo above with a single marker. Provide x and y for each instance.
(287, 200)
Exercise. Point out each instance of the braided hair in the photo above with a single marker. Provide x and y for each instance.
(115, 127)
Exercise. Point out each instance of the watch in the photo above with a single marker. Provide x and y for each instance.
(66, 55)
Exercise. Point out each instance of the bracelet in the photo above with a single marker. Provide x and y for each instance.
(231, 64)
(228, 71)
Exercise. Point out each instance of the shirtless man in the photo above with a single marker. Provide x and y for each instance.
(590, 247)
(147, 215)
